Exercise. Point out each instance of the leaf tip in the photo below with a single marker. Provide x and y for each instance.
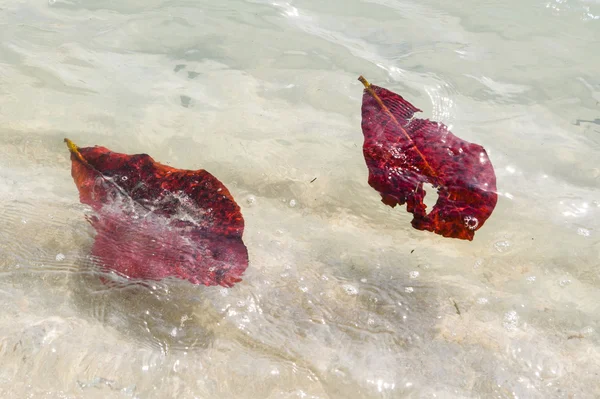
(364, 81)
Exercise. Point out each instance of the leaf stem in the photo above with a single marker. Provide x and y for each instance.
(384, 108)
(75, 151)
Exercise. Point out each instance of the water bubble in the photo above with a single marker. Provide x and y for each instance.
(530, 279)
(251, 200)
(471, 222)
(583, 232)
(124, 178)
(363, 280)
(511, 319)
(292, 203)
(350, 289)
(482, 301)
(413, 274)
(563, 282)
(60, 257)
(502, 246)
(409, 289)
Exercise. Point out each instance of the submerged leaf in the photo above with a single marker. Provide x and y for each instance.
(154, 221)
(403, 153)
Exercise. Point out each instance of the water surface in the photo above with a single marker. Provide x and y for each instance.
(342, 299)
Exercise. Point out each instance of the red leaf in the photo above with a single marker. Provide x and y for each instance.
(402, 153)
(154, 221)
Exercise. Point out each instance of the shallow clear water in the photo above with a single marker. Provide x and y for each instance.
(343, 299)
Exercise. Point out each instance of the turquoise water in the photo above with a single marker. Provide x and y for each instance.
(342, 299)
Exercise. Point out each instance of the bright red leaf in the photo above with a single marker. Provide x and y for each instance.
(403, 153)
(154, 221)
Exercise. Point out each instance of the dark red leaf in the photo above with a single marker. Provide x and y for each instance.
(402, 153)
(154, 221)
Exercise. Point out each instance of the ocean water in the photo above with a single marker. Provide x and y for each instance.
(342, 299)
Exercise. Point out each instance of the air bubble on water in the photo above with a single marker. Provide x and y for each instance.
(563, 282)
(251, 200)
(60, 257)
(363, 280)
(482, 301)
(511, 319)
(174, 332)
(502, 246)
(292, 203)
(124, 178)
(409, 289)
(530, 279)
(51, 2)
(413, 274)
(478, 264)
(304, 289)
(471, 222)
(350, 289)
(583, 232)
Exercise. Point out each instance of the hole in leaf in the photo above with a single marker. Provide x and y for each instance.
(431, 196)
